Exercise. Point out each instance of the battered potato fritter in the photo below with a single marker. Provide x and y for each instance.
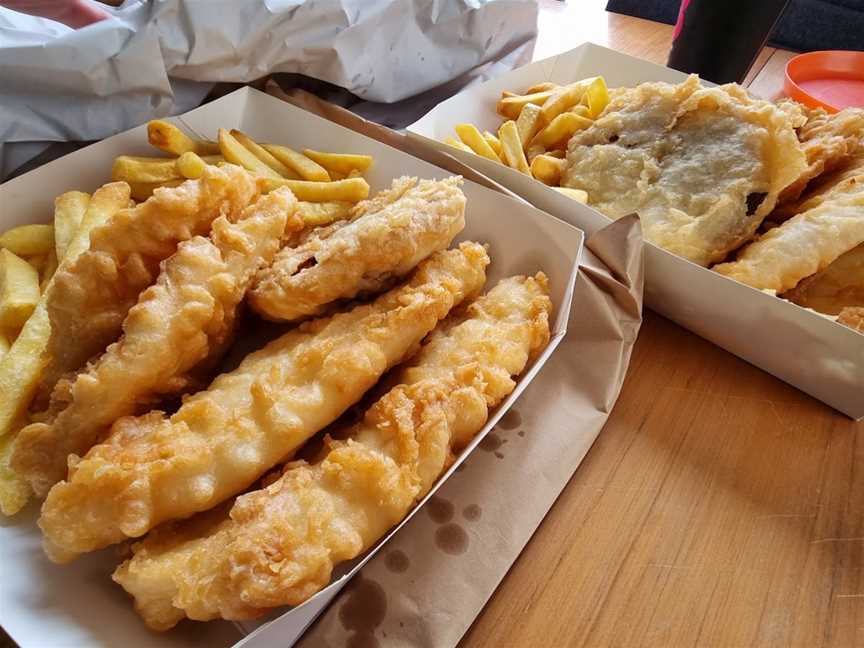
(701, 166)
(385, 239)
(154, 468)
(279, 545)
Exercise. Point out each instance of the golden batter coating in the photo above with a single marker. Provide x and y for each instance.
(385, 239)
(701, 166)
(187, 317)
(803, 245)
(279, 545)
(90, 299)
(154, 468)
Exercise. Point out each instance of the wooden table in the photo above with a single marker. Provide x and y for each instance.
(719, 506)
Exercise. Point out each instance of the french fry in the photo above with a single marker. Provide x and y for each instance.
(4, 344)
(597, 96)
(542, 87)
(528, 123)
(22, 366)
(37, 261)
(469, 134)
(343, 163)
(264, 155)
(317, 214)
(28, 240)
(348, 190)
(547, 169)
(452, 141)
(48, 270)
(510, 107)
(563, 98)
(128, 168)
(508, 93)
(560, 130)
(190, 165)
(143, 190)
(557, 153)
(19, 290)
(14, 491)
(234, 152)
(581, 110)
(511, 147)
(493, 142)
(534, 150)
(69, 209)
(579, 195)
(167, 137)
(302, 166)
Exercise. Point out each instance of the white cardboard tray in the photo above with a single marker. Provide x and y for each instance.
(77, 605)
(820, 357)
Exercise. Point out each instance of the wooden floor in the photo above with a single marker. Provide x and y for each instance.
(719, 506)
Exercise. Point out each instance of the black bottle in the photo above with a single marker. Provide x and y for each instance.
(720, 39)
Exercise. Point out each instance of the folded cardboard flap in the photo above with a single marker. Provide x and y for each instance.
(820, 357)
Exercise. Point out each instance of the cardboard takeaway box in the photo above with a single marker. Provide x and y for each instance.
(77, 605)
(818, 356)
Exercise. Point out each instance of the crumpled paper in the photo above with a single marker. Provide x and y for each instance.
(429, 583)
(160, 57)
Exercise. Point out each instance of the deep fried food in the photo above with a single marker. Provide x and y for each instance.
(185, 318)
(803, 245)
(389, 235)
(828, 142)
(154, 468)
(853, 318)
(838, 286)
(90, 299)
(279, 545)
(701, 166)
(840, 181)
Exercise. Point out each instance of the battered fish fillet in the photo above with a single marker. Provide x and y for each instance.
(839, 182)
(154, 468)
(828, 141)
(853, 318)
(90, 299)
(187, 317)
(385, 239)
(701, 166)
(838, 286)
(803, 245)
(279, 545)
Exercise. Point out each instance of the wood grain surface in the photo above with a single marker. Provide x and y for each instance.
(719, 507)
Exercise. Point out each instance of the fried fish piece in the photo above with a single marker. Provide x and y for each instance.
(186, 318)
(839, 182)
(838, 286)
(155, 468)
(828, 142)
(701, 166)
(853, 317)
(387, 236)
(90, 299)
(279, 545)
(803, 245)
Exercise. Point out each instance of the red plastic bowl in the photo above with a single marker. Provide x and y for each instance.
(832, 80)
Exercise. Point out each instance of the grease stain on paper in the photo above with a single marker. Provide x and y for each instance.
(511, 420)
(472, 512)
(397, 561)
(439, 509)
(362, 611)
(451, 539)
(491, 442)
